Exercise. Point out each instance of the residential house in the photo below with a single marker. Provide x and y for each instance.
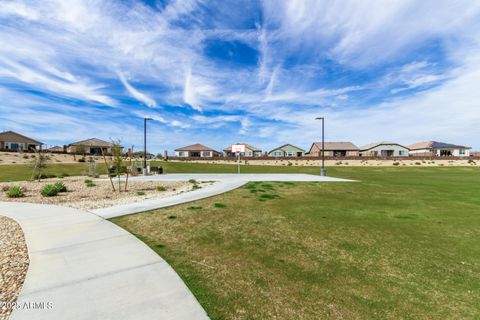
(287, 150)
(333, 149)
(91, 146)
(196, 151)
(12, 141)
(250, 151)
(383, 149)
(439, 149)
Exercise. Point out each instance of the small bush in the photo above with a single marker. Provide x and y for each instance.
(396, 163)
(15, 192)
(90, 184)
(60, 186)
(49, 190)
(81, 160)
(192, 181)
(25, 156)
(161, 188)
(219, 205)
(172, 217)
(140, 193)
(88, 181)
(194, 208)
(418, 163)
(196, 187)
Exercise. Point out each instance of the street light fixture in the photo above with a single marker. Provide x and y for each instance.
(323, 173)
(145, 145)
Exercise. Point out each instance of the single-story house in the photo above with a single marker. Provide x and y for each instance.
(250, 151)
(440, 149)
(383, 149)
(333, 149)
(13, 141)
(196, 151)
(287, 150)
(92, 146)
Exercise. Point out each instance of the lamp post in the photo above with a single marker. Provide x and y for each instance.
(145, 145)
(323, 173)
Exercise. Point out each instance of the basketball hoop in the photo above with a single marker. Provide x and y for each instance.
(238, 149)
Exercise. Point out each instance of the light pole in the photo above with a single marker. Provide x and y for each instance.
(145, 145)
(323, 173)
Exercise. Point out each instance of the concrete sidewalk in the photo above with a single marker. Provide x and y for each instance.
(225, 183)
(88, 268)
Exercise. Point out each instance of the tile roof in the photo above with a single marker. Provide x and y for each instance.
(92, 142)
(11, 135)
(375, 144)
(435, 145)
(336, 145)
(195, 147)
(228, 149)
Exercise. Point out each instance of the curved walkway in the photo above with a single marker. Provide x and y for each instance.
(84, 267)
(225, 183)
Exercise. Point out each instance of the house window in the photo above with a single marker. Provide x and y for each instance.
(402, 152)
(278, 153)
(181, 154)
(461, 151)
(290, 153)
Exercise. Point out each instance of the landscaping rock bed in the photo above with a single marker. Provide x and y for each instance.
(100, 195)
(13, 264)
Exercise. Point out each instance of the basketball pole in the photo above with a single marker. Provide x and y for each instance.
(238, 163)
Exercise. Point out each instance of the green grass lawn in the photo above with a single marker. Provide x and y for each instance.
(401, 243)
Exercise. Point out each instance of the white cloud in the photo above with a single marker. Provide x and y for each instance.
(135, 93)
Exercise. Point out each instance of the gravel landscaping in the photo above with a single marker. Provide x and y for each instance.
(99, 195)
(13, 264)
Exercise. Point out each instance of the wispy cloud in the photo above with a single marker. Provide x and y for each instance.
(135, 93)
(241, 70)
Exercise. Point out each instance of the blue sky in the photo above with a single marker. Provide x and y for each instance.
(220, 72)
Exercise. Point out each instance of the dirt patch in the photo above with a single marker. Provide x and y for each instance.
(100, 195)
(306, 162)
(13, 264)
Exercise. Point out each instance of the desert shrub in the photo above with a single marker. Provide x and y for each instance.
(289, 164)
(161, 188)
(25, 156)
(81, 159)
(15, 192)
(49, 190)
(470, 161)
(60, 186)
(192, 181)
(396, 163)
(219, 205)
(140, 193)
(418, 163)
(89, 183)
